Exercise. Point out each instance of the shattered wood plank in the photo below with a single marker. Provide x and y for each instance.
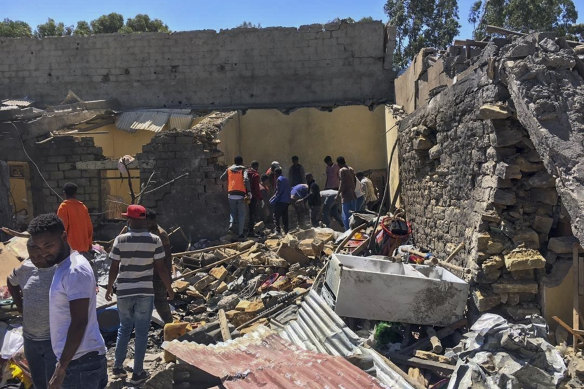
(429, 356)
(434, 341)
(225, 333)
(569, 329)
(210, 266)
(207, 249)
(422, 363)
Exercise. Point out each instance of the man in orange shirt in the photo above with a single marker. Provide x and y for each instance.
(75, 217)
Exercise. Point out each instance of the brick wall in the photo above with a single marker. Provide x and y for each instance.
(269, 67)
(56, 160)
(197, 202)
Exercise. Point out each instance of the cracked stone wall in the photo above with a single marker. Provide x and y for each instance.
(493, 161)
(198, 201)
(277, 67)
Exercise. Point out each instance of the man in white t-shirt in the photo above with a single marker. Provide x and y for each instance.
(75, 337)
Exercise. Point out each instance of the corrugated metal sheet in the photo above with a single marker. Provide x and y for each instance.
(180, 121)
(142, 120)
(319, 328)
(264, 359)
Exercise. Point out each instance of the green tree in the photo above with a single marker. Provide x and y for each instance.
(349, 20)
(419, 24)
(143, 23)
(249, 25)
(367, 19)
(107, 24)
(50, 28)
(83, 28)
(14, 29)
(523, 15)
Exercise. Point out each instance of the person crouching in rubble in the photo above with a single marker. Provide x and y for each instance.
(238, 189)
(75, 337)
(135, 256)
(29, 286)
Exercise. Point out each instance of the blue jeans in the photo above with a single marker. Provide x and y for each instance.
(41, 361)
(347, 208)
(135, 313)
(237, 215)
(88, 372)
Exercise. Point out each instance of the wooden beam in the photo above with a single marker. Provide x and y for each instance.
(396, 368)
(434, 341)
(569, 329)
(224, 325)
(441, 333)
(422, 363)
(470, 42)
(503, 31)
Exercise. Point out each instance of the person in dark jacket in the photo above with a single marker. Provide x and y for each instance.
(296, 173)
(313, 200)
(280, 201)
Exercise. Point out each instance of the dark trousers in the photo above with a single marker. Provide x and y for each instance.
(300, 209)
(88, 372)
(315, 211)
(161, 302)
(281, 212)
(41, 361)
(253, 211)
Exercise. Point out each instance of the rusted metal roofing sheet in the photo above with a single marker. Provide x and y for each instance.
(319, 328)
(264, 359)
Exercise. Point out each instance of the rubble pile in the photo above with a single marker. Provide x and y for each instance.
(245, 279)
(498, 354)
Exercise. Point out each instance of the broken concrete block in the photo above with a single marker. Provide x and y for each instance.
(180, 286)
(485, 301)
(542, 224)
(546, 196)
(245, 245)
(422, 143)
(524, 259)
(203, 283)
(504, 197)
(435, 152)
(192, 292)
(219, 273)
(254, 306)
(277, 262)
(242, 305)
(562, 244)
(528, 167)
(541, 179)
(509, 286)
(508, 172)
(228, 303)
(494, 111)
(237, 318)
(528, 274)
(221, 288)
(272, 244)
(521, 50)
(292, 254)
(528, 237)
(311, 247)
(493, 263)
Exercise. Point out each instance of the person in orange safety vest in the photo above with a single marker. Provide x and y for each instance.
(238, 190)
(75, 217)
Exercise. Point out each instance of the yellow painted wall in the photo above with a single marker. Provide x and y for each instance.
(230, 137)
(391, 135)
(558, 301)
(267, 135)
(117, 143)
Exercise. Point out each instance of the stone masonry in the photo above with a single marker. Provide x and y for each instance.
(314, 65)
(472, 170)
(56, 160)
(197, 202)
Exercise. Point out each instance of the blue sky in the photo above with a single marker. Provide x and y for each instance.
(218, 14)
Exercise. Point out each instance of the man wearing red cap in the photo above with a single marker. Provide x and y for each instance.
(135, 256)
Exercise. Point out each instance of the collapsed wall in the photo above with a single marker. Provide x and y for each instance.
(474, 170)
(187, 160)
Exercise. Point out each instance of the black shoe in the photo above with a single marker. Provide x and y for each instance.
(119, 372)
(140, 378)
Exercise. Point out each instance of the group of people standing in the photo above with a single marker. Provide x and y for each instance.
(268, 196)
(55, 290)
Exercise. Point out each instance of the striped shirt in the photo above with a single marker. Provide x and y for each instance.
(136, 250)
